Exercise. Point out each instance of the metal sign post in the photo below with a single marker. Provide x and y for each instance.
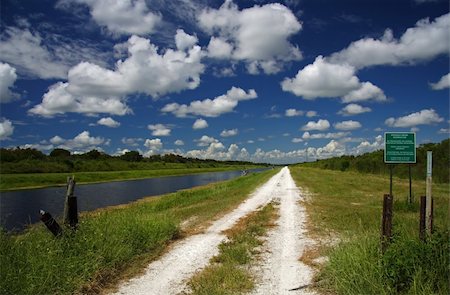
(399, 148)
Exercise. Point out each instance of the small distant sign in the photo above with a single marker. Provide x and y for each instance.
(399, 147)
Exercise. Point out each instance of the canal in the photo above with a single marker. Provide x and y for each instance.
(21, 208)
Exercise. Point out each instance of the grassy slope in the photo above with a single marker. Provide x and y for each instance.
(109, 241)
(349, 205)
(227, 273)
(34, 180)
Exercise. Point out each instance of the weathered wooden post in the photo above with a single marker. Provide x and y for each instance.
(50, 223)
(429, 213)
(422, 234)
(386, 222)
(70, 204)
(423, 214)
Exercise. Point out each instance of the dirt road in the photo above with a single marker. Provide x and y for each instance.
(281, 270)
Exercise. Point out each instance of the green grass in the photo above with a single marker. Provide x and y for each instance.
(349, 205)
(227, 273)
(109, 241)
(35, 180)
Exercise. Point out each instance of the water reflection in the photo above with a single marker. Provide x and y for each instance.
(20, 208)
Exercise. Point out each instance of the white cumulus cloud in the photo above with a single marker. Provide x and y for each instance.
(347, 125)
(153, 144)
(7, 78)
(354, 109)
(293, 113)
(325, 79)
(258, 35)
(124, 16)
(211, 107)
(423, 117)
(179, 142)
(159, 129)
(6, 129)
(426, 40)
(228, 133)
(200, 124)
(109, 122)
(320, 125)
(443, 83)
(94, 89)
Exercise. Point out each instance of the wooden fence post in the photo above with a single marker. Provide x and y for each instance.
(70, 204)
(386, 222)
(50, 223)
(423, 200)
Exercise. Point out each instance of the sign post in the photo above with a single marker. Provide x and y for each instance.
(428, 209)
(399, 148)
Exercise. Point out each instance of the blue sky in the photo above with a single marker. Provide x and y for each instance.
(278, 82)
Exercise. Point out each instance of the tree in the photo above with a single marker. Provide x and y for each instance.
(60, 153)
(132, 156)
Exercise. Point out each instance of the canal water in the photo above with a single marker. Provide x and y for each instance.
(21, 208)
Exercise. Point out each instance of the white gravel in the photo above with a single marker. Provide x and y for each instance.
(168, 275)
(279, 271)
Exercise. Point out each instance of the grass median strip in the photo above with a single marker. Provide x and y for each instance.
(228, 272)
(109, 241)
(348, 205)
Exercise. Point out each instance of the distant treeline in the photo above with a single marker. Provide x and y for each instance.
(374, 163)
(18, 160)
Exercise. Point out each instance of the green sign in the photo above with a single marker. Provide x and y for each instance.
(400, 147)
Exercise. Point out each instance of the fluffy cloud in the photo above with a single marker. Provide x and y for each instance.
(320, 125)
(200, 124)
(424, 41)
(144, 71)
(123, 17)
(367, 91)
(153, 144)
(94, 89)
(58, 100)
(159, 129)
(211, 107)
(443, 83)
(332, 135)
(257, 35)
(347, 125)
(367, 147)
(6, 129)
(206, 140)
(423, 117)
(353, 109)
(293, 113)
(179, 142)
(184, 41)
(109, 122)
(322, 79)
(325, 79)
(311, 114)
(219, 48)
(228, 133)
(80, 143)
(217, 150)
(7, 78)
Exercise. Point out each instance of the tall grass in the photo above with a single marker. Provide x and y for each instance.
(111, 240)
(349, 205)
(226, 274)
